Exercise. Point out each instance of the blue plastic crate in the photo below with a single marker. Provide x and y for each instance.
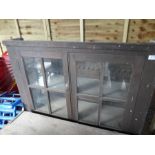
(10, 106)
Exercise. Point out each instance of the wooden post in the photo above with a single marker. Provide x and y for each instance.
(82, 36)
(1, 49)
(125, 31)
(47, 31)
(18, 28)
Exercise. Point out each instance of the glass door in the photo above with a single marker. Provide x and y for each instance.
(104, 88)
(115, 83)
(48, 83)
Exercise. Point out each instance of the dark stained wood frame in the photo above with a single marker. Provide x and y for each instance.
(141, 87)
(137, 66)
(55, 55)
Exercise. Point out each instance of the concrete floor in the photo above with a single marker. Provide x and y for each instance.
(34, 124)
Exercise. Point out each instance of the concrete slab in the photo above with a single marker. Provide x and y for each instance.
(34, 124)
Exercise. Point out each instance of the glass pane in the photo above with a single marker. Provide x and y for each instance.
(88, 112)
(88, 78)
(33, 71)
(40, 100)
(58, 104)
(116, 80)
(111, 115)
(54, 73)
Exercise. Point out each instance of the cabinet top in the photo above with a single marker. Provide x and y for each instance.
(82, 45)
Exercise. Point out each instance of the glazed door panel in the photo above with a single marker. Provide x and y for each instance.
(46, 75)
(104, 88)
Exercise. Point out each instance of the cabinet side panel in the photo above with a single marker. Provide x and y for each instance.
(144, 98)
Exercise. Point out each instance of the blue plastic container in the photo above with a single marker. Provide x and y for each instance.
(10, 106)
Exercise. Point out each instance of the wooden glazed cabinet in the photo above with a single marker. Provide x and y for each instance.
(102, 84)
